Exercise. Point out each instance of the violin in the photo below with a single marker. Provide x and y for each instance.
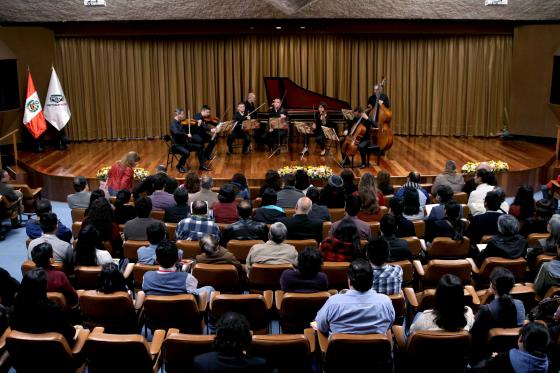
(211, 120)
(188, 122)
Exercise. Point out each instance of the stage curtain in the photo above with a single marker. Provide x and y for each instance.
(117, 88)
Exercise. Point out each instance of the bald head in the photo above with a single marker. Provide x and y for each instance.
(303, 206)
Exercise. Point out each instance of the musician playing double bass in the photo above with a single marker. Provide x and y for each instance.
(202, 132)
(182, 142)
(383, 99)
(320, 120)
(274, 136)
(238, 132)
(360, 118)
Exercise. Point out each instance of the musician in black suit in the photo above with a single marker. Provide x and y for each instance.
(320, 119)
(274, 136)
(383, 99)
(238, 132)
(182, 142)
(250, 108)
(359, 118)
(202, 132)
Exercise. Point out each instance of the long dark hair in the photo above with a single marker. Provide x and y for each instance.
(88, 241)
(233, 334)
(411, 201)
(273, 180)
(111, 279)
(453, 215)
(32, 294)
(503, 280)
(526, 202)
(101, 217)
(450, 304)
(346, 231)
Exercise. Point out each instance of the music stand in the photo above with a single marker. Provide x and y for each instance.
(224, 127)
(277, 124)
(330, 134)
(347, 114)
(248, 126)
(305, 129)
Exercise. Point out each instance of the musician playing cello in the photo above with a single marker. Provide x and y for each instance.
(182, 142)
(360, 118)
(274, 136)
(321, 119)
(238, 132)
(202, 132)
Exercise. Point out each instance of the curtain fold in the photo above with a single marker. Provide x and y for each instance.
(128, 88)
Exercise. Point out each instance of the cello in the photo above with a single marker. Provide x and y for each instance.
(350, 144)
(382, 116)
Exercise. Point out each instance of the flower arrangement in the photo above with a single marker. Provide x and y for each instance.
(139, 173)
(314, 172)
(470, 168)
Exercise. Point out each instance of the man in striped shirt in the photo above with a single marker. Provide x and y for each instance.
(198, 224)
(387, 279)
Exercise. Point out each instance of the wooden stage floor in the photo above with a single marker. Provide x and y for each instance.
(426, 154)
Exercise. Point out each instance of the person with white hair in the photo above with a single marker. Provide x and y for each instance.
(449, 177)
(508, 243)
(300, 226)
(274, 251)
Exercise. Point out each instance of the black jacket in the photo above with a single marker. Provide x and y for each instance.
(300, 227)
(245, 229)
(482, 225)
(399, 249)
(268, 216)
(175, 214)
(508, 247)
(218, 362)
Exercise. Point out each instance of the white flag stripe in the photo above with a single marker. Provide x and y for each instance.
(56, 110)
(28, 115)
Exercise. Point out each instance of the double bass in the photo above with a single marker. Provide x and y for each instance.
(382, 115)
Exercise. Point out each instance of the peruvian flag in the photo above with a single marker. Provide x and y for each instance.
(33, 116)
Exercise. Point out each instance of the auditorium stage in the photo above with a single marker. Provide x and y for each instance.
(528, 161)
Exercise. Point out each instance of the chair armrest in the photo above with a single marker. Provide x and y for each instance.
(3, 338)
(268, 299)
(172, 331)
(80, 292)
(474, 267)
(98, 330)
(278, 297)
(310, 334)
(157, 341)
(202, 301)
(400, 338)
(212, 297)
(332, 291)
(323, 341)
(36, 191)
(474, 295)
(418, 267)
(410, 297)
(80, 341)
(140, 297)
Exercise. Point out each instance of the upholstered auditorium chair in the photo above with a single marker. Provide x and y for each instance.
(182, 311)
(190, 248)
(255, 307)
(523, 292)
(297, 310)
(543, 258)
(337, 213)
(533, 239)
(501, 339)
(59, 299)
(77, 214)
(354, 352)
(287, 353)
(337, 273)
(30, 197)
(76, 227)
(87, 277)
(266, 276)
(486, 238)
(431, 351)
(374, 227)
(45, 352)
(466, 211)
(28, 265)
(481, 275)
(240, 248)
(461, 198)
(130, 248)
(448, 248)
(419, 228)
(157, 214)
(180, 349)
(222, 277)
(552, 291)
(399, 305)
(407, 268)
(123, 352)
(302, 244)
(115, 312)
(327, 225)
(138, 272)
(430, 273)
(171, 228)
(414, 244)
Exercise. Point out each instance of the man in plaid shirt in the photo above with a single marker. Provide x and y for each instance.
(197, 224)
(387, 279)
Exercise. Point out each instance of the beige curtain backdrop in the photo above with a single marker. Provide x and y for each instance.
(118, 88)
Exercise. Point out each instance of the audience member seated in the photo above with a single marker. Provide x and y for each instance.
(135, 229)
(192, 183)
(523, 206)
(504, 206)
(348, 182)
(302, 181)
(371, 199)
(34, 313)
(450, 178)
(353, 206)
(333, 195)
(269, 212)
(124, 211)
(80, 199)
(156, 232)
(12, 195)
(529, 357)
(171, 185)
(150, 180)
(94, 196)
(502, 312)
(449, 312)
(360, 310)
(300, 227)
(549, 275)
(272, 180)
(470, 183)
(121, 174)
(101, 217)
(413, 182)
(9, 287)
(33, 228)
(444, 195)
(405, 228)
(42, 255)
(241, 186)
(289, 195)
(344, 243)
(387, 279)
(507, 243)
(225, 209)
(274, 251)
(484, 184)
(213, 253)
(111, 279)
(549, 245)
(180, 210)
(89, 249)
(168, 279)
(307, 278)
(245, 228)
(205, 193)
(398, 248)
(413, 210)
(62, 250)
(233, 339)
(161, 200)
(539, 222)
(384, 183)
(197, 224)
(318, 212)
(451, 225)
(486, 223)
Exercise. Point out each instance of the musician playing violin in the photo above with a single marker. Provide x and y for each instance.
(359, 118)
(182, 142)
(274, 136)
(321, 119)
(202, 132)
(258, 133)
(238, 132)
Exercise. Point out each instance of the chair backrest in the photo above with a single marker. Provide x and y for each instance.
(29, 265)
(516, 266)
(337, 273)
(419, 228)
(466, 211)
(157, 214)
(337, 213)
(302, 244)
(257, 202)
(432, 350)
(501, 339)
(180, 349)
(58, 298)
(118, 352)
(45, 348)
(115, 312)
(543, 258)
(353, 352)
(171, 228)
(252, 306)
(533, 238)
(461, 197)
(486, 238)
(173, 311)
(77, 214)
(327, 225)
(266, 276)
(374, 227)
(414, 245)
(408, 270)
(299, 309)
(131, 247)
(445, 247)
(285, 352)
(436, 268)
(190, 248)
(76, 227)
(290, 212)
(87, 277)
(427, 299)
(222, 277)
(241, 248)
(138, 272)
(399, 305)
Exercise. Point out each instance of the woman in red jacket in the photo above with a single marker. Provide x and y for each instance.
(121, 174)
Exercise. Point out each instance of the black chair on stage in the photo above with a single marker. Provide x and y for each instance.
(171, 155)
(372, 148)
